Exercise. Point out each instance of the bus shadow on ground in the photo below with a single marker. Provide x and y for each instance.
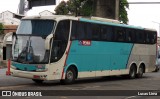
(89, 80)
(105, 79)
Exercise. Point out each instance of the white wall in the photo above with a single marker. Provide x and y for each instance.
(7, 18)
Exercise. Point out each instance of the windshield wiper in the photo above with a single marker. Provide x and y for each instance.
(26, 56)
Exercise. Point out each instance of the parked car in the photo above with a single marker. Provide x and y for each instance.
(158, 60)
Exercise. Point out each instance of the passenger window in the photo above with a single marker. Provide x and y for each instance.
(148, 40)
(106, 33)
(153, 37)
(103, 33)
(140, 36)
(88, 31)
(95, 32)
(119, 34)
(130, 35)
(80, 31)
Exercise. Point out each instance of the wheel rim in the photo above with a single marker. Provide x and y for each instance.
(140, 71)
(70, 75)
(132, 73)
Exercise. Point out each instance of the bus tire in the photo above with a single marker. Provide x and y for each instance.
(38, 81)
(140, 72)
(132, 72)
(69, 77)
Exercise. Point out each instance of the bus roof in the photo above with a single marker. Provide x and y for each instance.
(64, 17)
(53, 17)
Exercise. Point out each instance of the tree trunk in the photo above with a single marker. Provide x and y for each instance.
(106, 8)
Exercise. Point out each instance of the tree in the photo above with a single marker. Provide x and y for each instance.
(85, 8)
(1, 29)
(123, 16)
(75, 7)
(62, 8)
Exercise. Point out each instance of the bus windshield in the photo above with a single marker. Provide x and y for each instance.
(29, 41)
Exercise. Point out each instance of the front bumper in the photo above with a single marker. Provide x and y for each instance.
(30, 75)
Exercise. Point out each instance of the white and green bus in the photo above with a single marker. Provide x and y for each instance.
(66, 48)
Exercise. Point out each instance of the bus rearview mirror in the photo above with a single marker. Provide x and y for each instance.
(47, 41)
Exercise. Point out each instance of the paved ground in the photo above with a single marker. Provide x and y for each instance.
(150, 81)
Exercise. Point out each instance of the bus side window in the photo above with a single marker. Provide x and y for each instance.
(78, 31)
(59, 44)
(88, 31)
(119, 34)
(62, 31)
(104, 33)
(153, 37)
(74, 30)
(95, 32)
(130, 35)
(148, 40)
(138, 36)
(110, 33)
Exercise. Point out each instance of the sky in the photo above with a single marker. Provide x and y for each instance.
(144, 15)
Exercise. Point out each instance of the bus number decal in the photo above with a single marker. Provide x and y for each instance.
(85, 42)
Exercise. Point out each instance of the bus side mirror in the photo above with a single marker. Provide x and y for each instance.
(47, 41)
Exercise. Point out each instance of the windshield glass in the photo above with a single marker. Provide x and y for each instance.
(29, 41)
(36, 27)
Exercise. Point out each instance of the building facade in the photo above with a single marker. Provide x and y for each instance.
(9, 18)
(10, 21)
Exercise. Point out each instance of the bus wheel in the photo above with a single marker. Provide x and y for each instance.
(70, 76)
(140, 72)
(132, 72)
(38, 81)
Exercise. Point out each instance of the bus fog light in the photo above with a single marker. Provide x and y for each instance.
(36, 76)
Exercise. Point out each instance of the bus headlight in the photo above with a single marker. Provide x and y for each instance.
(13, 67)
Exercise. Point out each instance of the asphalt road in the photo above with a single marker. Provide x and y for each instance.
(150, 81)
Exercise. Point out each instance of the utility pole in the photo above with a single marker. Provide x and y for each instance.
(21, 7)
(106, 9)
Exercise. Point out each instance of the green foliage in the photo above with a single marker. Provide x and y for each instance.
(62, 8)
(123, 16)
(75, 7)
(84, 8)
(1, 27)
